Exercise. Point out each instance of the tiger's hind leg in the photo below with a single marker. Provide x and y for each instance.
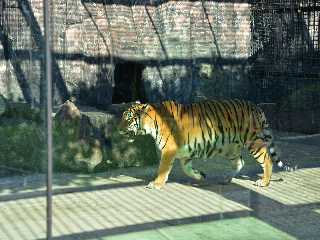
(259, 151)
(186, 165)
(237, 164)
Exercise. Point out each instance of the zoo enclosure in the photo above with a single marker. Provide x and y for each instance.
(278, 62)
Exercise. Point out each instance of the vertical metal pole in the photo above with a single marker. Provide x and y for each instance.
(48, 74)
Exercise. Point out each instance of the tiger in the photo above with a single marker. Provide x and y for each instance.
(203, 130)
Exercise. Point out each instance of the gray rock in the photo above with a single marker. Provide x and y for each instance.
(88, 140)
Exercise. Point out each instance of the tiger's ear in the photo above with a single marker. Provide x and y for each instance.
(138, 102)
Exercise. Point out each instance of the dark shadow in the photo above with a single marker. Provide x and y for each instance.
(98, 95)
(286, 63)
(152, 62)
(128, 83)
(285, 58)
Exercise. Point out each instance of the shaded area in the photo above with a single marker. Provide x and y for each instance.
(24, 55)
(128, 83)
(286, 46)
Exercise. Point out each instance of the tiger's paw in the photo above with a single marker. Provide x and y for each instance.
(261, 183)
(153, 185)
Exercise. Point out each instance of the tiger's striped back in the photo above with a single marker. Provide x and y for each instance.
(207, 125)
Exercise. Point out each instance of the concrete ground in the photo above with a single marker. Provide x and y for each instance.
(116, 206)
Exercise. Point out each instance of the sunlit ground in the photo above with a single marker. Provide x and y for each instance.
(116, 205)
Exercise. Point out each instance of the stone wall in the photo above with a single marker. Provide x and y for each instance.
(174, 40)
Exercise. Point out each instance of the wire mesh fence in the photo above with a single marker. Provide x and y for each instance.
(285, 37)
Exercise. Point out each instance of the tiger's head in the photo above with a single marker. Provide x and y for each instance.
(131, 124)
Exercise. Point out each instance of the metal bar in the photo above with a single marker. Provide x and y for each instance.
(48, 75)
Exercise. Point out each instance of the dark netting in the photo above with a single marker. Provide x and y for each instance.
(285, 49)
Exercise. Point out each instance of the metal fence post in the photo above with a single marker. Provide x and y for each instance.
(48, 75)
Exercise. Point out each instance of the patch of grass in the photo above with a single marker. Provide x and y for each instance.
(21, 145)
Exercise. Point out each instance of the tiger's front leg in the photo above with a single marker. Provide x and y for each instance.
(166, 162)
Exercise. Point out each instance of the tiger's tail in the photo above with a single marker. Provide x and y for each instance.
(273, 151)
